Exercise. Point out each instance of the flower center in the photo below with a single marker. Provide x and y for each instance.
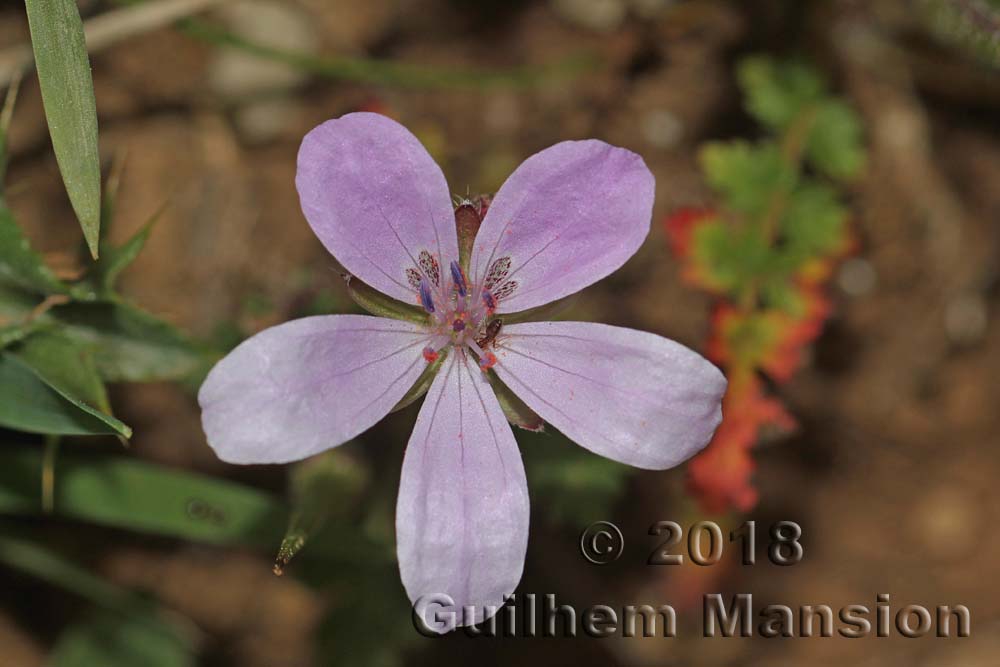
(461, 315)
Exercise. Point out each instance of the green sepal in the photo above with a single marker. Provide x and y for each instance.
(543, 313)
(321, 487)
(381, 305)
(423, 382)
(516, 411)
(467, 222)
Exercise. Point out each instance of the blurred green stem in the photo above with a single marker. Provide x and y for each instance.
(387, 72)
(49, 473)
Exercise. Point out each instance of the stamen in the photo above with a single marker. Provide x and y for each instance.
(458, 325)
(430, 354)
(489, 301)
(487, 361)
(425, 296)
(458, 276)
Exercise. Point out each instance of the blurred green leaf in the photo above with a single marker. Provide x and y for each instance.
(834, 146)
(28, 556)
(129, 344)
(124, 630)
(19, 264)
(13, 333)
(728, 256)
(70, 370)
(568, 483)
(143, 497)
(813, 222)
(322, 487)
(776, 93)
(747, 175)
(30, 403)
(972, 24)
(371, 615)
(108, 639)
(70, 109)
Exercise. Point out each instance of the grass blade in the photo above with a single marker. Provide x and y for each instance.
(70, 108)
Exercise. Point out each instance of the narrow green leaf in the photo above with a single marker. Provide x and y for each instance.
(114, 260)
(396, 73)
(70, 370)
(125, 254)
(381, 305)
(29, 403)
(129, 344)
(143, 497)
(322, 487)
(70, 108)
(19, 264)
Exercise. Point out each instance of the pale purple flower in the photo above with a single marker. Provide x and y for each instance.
(567, 217)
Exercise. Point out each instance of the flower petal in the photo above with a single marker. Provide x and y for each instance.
(567, 217)
(628, 395)
(304, 386)
(377, 200)
(462, 512)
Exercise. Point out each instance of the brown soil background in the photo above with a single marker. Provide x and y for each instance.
(893, 475)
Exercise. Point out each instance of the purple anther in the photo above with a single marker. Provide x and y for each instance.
(459, 278)
(489, 301)
(425, 295)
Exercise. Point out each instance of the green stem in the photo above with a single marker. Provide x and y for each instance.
(392, 73)
(49, 455)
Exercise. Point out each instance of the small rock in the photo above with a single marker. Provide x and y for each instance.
(661, 128)
(236, 75)
(965, 318)
(597, 15)
(857, 277)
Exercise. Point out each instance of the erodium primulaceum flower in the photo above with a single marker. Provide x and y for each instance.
(567, 217)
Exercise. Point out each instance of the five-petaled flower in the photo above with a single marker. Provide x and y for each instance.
(567, 217)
